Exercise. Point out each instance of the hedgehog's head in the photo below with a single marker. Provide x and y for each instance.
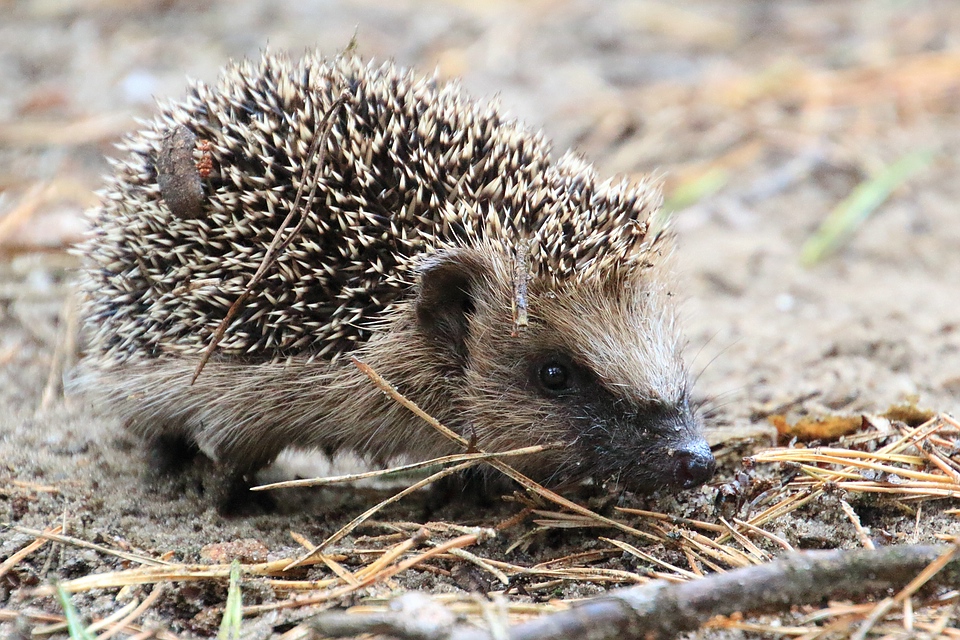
(597, 369)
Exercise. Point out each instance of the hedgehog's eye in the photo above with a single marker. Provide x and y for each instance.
(557, 375)
(554, 376)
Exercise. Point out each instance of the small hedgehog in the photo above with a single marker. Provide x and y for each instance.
(514, 297)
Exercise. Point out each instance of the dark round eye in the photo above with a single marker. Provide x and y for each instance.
(554, 376)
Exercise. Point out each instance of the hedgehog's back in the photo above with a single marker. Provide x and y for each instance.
(408, 167)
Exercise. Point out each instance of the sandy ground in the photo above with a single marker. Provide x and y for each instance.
(788, 105)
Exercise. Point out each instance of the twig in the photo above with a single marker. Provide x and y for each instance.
(278, 245)
(661, 609)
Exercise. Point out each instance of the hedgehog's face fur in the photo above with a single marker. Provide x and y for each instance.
(596, 370)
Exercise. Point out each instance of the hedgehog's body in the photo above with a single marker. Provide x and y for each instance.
(430, 215)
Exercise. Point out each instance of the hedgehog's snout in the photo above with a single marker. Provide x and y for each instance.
(693, 465)
(691, 462)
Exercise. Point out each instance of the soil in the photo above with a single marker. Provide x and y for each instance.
(775, 111)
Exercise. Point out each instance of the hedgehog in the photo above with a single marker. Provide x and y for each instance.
(514, 296)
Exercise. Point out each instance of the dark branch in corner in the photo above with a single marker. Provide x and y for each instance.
(661, 609)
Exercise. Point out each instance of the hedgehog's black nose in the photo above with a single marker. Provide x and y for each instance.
(694, 465)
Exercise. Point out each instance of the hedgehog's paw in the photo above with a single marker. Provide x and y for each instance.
(471, 489)
(171, 454)
(178, 467)
(233, 497)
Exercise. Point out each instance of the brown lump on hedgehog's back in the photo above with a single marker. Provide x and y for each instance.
(407, 257)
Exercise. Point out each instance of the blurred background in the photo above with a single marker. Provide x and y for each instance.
(807, 152)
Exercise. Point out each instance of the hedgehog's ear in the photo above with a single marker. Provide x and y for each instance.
(445, 297)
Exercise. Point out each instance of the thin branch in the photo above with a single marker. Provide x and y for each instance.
(661, 609)
(278, 245)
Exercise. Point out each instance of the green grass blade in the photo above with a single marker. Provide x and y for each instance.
(75, 626)
(692, 191)
(853, 210)
(233, 611)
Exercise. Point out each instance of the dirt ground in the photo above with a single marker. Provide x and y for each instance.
(773, 111)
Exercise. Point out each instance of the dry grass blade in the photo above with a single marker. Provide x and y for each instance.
(435, 462)
(156, 574)
(380, 576)
(392, 554)
(62, 625)
(369, 513)
(758, 554)
(125, 622)
(853, 460)
(28, 205)
(474, 559)
(726, 554)
(862, 535)
(64, 348)
(646, 557)
(676, 520)
(59, 133)
(338, 569)
(76, 542)
(906, 483)
(16, 558)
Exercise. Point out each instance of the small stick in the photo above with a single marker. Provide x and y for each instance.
(277, 246)
(661, 609)
(521, 278)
